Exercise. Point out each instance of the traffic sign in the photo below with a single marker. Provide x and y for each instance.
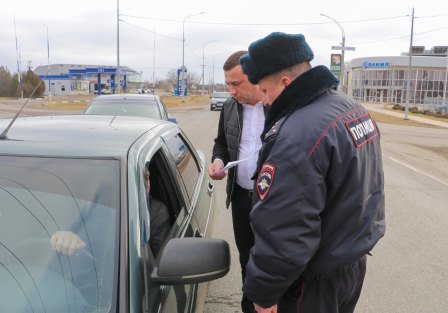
(343, 48)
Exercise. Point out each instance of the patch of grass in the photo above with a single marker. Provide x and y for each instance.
(66, 105)
(385, 118)
(174, 101)
(416, 112)
(170, 101)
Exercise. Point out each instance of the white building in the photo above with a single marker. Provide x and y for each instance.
(385, 79)
(69, 79)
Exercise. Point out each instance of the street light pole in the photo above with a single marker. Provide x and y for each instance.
(183, 69)
(183, 35)
(48, 64)
(341, 75)
(203, 64)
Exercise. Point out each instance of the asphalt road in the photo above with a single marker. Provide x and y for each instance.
(408, 269)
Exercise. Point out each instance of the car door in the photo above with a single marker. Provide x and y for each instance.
(176, 174)
(191, 166)
(167, 187)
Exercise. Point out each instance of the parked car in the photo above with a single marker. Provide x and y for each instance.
(85, 175)
(128, 104)
(217, 100)
(104, 91)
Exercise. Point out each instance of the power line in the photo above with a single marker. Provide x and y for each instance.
(150, 31)
(396, 38)
(268, 24)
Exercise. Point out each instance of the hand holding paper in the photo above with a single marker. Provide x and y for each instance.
(234, 163)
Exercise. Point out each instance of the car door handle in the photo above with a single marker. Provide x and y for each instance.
(210, 188)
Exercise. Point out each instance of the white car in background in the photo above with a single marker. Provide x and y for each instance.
(218, 99)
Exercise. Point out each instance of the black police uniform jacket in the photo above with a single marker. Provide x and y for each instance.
(319, 200)
(227, 141)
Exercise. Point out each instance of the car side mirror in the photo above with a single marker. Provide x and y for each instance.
(172, 119)
(191, 261)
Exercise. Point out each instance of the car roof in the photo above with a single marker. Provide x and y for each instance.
(130, 96)
(77, 135)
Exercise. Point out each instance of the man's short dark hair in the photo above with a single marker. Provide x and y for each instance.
(233, 60)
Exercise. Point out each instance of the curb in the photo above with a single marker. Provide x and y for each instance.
(372, 107)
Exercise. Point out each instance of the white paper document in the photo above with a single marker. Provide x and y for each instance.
(234, 163)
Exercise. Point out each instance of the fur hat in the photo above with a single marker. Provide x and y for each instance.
(273, 53)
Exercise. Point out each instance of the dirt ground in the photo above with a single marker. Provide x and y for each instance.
(78, 102)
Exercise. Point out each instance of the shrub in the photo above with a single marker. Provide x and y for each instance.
(413, 110)
(397, 107)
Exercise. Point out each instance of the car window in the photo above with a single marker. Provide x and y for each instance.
(147, 108)
(185, 161)
(164, 186)
(46, 197)
(161, 205)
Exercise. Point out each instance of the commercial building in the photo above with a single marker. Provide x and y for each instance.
(69, 79)
(385, 79)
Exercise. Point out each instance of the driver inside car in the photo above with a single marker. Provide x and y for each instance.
(68, 242)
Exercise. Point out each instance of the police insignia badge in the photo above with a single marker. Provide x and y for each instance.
(265, 180)
(362, 129)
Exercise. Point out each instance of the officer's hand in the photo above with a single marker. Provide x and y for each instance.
(214, 168)
(259, 309)
(66, 242)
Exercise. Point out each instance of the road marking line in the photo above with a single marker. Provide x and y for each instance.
(418, 171)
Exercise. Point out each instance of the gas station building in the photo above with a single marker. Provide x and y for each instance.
(70, 79)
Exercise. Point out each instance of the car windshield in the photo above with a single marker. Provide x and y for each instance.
(221, 95)
(144, 108)
(43, 200)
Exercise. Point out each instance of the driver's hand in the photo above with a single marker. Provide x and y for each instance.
(214, 168)
(66, 242)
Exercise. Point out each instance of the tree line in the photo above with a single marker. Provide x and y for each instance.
(12, 86)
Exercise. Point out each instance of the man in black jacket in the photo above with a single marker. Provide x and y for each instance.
(319, 200)
(240, 125)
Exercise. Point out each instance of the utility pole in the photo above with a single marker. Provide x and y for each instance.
(154, 64)
(117, 75)
(19, 75)
(408, 84)
(203, 63)
(48, 64)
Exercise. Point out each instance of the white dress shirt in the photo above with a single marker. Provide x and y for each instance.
(250, 144)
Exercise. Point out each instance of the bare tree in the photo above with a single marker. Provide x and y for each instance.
(5, 82)
(171, 77)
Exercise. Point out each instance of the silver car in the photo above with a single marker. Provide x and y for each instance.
(217, 100)
(84, 179)
(128, 105)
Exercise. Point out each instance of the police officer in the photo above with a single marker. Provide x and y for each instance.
(319, 188)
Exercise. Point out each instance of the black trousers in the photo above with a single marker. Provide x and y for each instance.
(337, 291)
(244, 237)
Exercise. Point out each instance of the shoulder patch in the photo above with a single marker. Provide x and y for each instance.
(362, 129)
(265, 179)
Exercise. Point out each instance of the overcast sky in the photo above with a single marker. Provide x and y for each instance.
(85, 31)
